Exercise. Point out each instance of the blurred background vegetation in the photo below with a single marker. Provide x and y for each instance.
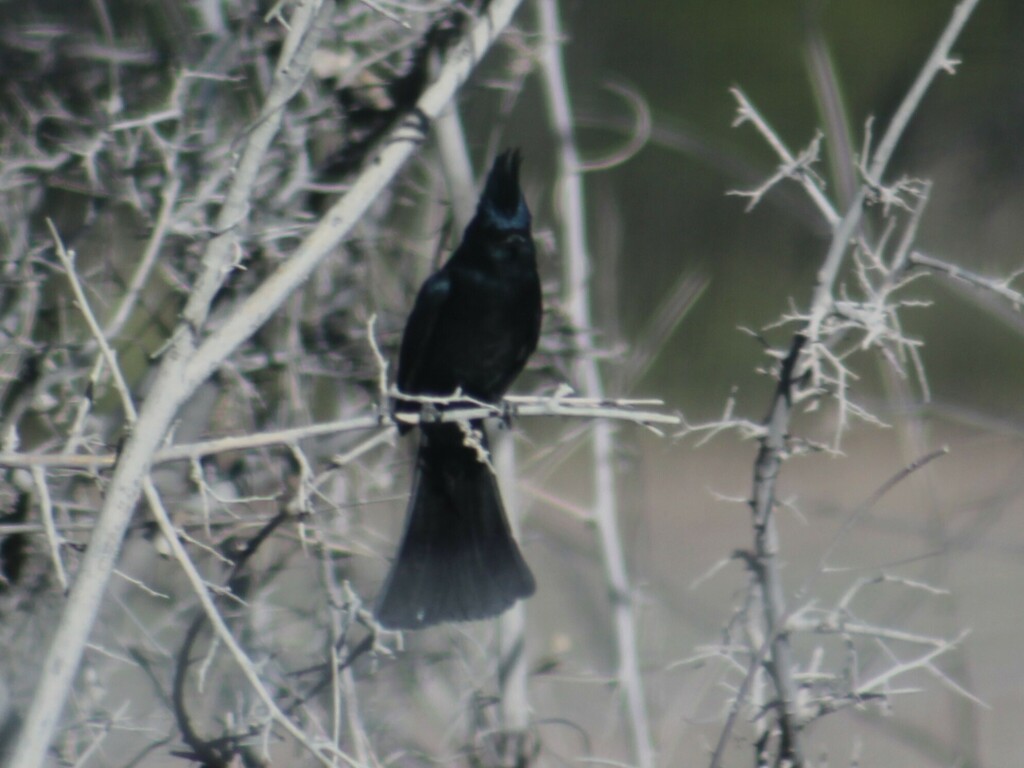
(670, 205)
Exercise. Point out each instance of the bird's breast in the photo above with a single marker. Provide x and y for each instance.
(491, 329)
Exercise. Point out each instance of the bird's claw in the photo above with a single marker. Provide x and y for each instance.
(508, 413)
(429, 413)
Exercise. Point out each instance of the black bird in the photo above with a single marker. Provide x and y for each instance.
(474, 324)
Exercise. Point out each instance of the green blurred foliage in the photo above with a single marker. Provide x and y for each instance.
(675, 216)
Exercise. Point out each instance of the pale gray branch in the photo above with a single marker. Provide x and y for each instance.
(576, 290)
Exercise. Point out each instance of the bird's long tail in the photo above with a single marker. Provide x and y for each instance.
(458, 560)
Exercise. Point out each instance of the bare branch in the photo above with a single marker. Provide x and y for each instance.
(516, 406)
(67, 259)
(167, 394)
(46, 512)
(998, 287)
(576, 257)
(797, 168)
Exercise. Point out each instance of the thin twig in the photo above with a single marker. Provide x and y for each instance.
(67, 259)
(222, 631)
(937, 62)
(792, 167)
(52, 537)
(168, 199)
(870, 502)
(998, 287)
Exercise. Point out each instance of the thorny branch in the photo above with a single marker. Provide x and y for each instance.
(68, 641)
(841, 320)
(201, 342)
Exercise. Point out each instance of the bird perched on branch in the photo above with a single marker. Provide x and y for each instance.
(473, 326)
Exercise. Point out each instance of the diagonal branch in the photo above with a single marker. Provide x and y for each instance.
(1001, 287)
(160, 407)
(396, 149)
(765, 560)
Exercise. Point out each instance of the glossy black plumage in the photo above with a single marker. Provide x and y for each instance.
(473, 326)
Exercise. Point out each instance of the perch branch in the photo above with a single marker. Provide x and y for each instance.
(518, 406)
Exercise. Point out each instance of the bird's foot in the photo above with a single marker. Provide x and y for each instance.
(508, 413)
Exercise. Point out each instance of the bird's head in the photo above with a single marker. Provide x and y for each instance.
(502, 207)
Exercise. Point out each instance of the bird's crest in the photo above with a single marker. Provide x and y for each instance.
(502, 204)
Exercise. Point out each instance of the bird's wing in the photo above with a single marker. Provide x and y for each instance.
(418, 339)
